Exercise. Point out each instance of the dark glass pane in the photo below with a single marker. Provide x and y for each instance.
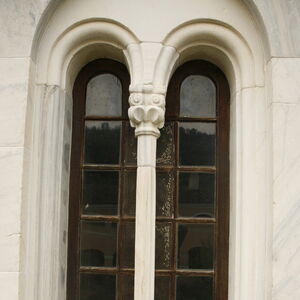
(164, 193)
(196, 194)
(126, 287)
(162, 287)
(166, 146)
(130, 145)
(100, 192)
(195, 246)
(104, 96)
(197, 97)
(97, 286)
(194, 288)
(102, 142)
(163, 246)
(98, 244)
(129, 193)
(197, 144)
(127, 245)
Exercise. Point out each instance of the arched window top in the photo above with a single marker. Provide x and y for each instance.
(197, 97)
(104, 96)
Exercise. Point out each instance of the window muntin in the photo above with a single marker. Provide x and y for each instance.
(101, 232)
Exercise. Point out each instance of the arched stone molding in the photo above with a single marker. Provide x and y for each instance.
(243, 62)
(214, 41)
(53, 62)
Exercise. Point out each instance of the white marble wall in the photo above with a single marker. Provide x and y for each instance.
(286, 176)
(13, 96)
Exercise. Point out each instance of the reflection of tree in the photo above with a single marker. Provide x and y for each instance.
(102, 144)
(196, 148)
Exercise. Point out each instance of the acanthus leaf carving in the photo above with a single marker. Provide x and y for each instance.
(147, 113)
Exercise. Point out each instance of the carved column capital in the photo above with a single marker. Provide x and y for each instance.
(146, 113)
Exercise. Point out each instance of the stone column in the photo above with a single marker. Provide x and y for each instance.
(146, 114)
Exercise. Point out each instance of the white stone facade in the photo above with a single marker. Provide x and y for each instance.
(43, 46)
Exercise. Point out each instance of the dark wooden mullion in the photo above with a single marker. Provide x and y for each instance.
(105, 118)
(222, 190)
(192, 119)
(187, 272)
(187, 220)
(175, 209)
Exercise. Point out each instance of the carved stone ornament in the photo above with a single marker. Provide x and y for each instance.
(147, 113)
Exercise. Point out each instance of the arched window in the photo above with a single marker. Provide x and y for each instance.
(101, 235)
(193, 186)
(192, 199)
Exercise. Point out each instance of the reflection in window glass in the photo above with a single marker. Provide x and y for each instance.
(195, 246)
(102, 142)
(162, 287)
(197, 97)
(104, 96)
(196, 194)
(126, 286)
(98, 244)
(163, 245)
(127, 242)
(94, 286)
(197, 144)
(100, 192)
(194, 288)
(165, 145)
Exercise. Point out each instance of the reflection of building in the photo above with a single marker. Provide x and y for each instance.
(45, 43)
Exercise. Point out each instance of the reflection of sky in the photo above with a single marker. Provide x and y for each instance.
(103, 124)
(198, 97)
(104, 96)
(207, 128)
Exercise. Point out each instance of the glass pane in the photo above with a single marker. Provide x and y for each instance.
(130, 145)
(163, 246)
(162, 287)
(166, 146)
(100, 192)
(194, 288)
(102, 142)
(164, 194)
(98, 244)
(196, 194)
(126, 287)
(104, 96)
(97, 286)
(197, 97)
(195, 246)
(197, 144)
(127, 245)
(129, 193)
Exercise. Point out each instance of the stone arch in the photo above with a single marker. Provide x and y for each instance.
(243, 60)
(46, 179)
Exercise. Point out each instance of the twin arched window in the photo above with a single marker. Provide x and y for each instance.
(192, 186)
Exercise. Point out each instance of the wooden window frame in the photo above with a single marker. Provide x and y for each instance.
(172, 114)
(94, 68)
(221, 219)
